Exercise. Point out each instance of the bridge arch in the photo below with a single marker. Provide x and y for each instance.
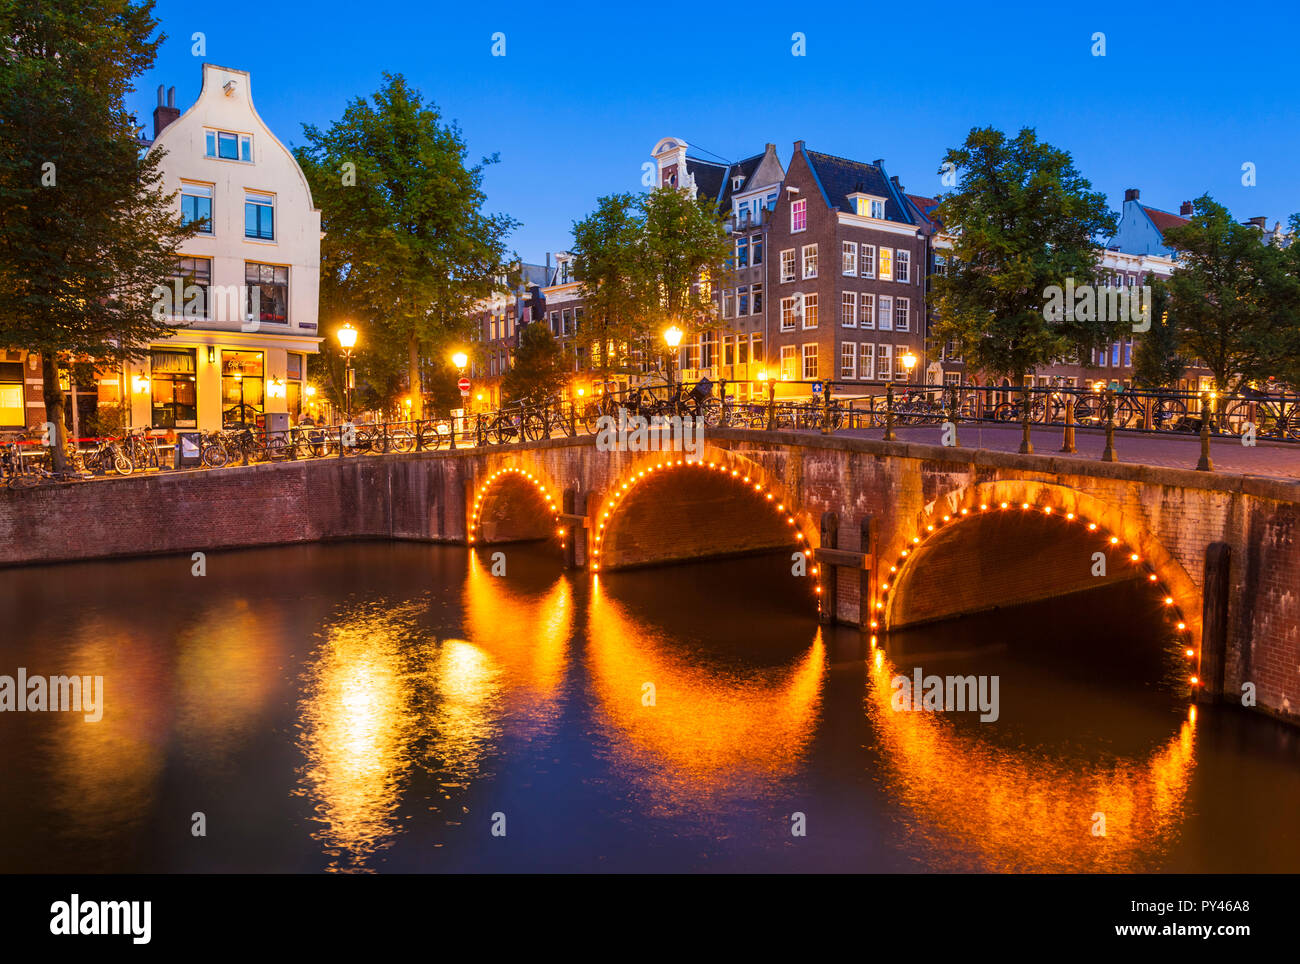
(921, 572)
(730, 507)
(514, 503)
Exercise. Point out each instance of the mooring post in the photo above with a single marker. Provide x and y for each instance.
(1214, 622)
(889, 435)
(1026, 440)
(1108, 453)
(569, 536)
(826, 572)
(1067, 443)
(1205, 463)
(866, 606)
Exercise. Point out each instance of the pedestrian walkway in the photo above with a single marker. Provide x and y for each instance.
(1273, 460)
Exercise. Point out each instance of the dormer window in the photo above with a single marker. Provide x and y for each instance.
(738, 182)
(868, 206)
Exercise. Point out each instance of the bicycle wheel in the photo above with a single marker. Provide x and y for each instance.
(214, 455)
(710, 409)
(122, 464)
(533, 427)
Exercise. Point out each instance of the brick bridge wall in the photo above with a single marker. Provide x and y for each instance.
(1166, 516)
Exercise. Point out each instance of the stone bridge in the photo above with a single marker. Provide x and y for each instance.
(896, 534)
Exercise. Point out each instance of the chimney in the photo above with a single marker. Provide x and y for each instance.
(798, 146)
(1261, 223)
(165, 112)
(1185, 210)
(893, 178)
(877, 162)
(1131, 195)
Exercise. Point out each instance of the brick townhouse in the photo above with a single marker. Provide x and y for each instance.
(849, 255)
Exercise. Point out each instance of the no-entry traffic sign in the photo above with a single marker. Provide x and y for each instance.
(463, 385)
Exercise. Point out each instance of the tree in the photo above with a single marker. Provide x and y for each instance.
(1025, 221)
(539, 370)
(1157, 362)
(1231, 297)
(407, 247)
(86, 231)
(684, 252)
(605, 248)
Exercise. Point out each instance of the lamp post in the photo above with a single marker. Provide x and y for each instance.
(347, 338)
(909, 362)
(673, 338)
(460, 360)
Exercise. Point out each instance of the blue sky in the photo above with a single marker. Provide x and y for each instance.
(1185, 95)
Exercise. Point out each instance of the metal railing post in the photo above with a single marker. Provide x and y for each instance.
(889, 413)
(1067, 442)
(1026, 441)
(1205, 463)
(826, 409)
(1108, 453)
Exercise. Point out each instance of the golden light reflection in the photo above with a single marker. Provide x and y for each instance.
(358, 731)
(105, 774)
(527, 636)
(711, 734)
(981, 807)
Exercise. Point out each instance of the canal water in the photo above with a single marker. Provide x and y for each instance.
(381, 707)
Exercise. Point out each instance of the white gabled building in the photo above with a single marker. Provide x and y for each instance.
(244, 298)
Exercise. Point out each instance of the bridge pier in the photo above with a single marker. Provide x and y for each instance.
(1214, 622)
(827, 574)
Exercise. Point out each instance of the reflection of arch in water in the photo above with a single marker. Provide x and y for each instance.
(984, 807)
(711, 734)
(940, 526)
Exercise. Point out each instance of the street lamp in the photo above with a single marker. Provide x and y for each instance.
(460, 360)
(673, 337)
(347, 337)
(909, 362)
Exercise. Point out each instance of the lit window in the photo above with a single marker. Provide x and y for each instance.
(886, 264)
(799, 215)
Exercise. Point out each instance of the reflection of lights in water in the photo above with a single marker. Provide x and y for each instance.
(226, 671)
(711, 735)
(983, 807)
(527, 636)
(357, 731)
(105, 774)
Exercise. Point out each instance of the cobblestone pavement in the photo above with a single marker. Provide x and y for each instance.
(1275, 460)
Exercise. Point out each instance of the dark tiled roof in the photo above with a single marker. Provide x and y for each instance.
(841, 177)
(1163, 220)
(746, 169)
(709, 177)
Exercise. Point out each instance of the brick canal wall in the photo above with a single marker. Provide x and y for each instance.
(1167, 516)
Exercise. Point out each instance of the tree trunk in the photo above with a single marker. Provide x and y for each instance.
(413, 376)
(53, 409)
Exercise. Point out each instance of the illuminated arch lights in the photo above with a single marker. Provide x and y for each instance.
(1174, 611)
(480, 494)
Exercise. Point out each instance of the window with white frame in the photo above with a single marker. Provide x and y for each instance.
(900, 370)
(902, 266)
(810, 311)
(742, 301)
(867, 260)
(850, 257)
(878, 210)
(901, 308)
(810, 261)
(756, 249)
(849, 360)
(799, 215)
(787, 264)
(886, 264)
(941, 265)
(789, 312)
(884, 361)
(952, 378)
(789, 359)
(756, 303)
(868, 355)
(810, 361)
(742, 252)
(885, 316)
(728, 303)
(849, 310)
(867, 310)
